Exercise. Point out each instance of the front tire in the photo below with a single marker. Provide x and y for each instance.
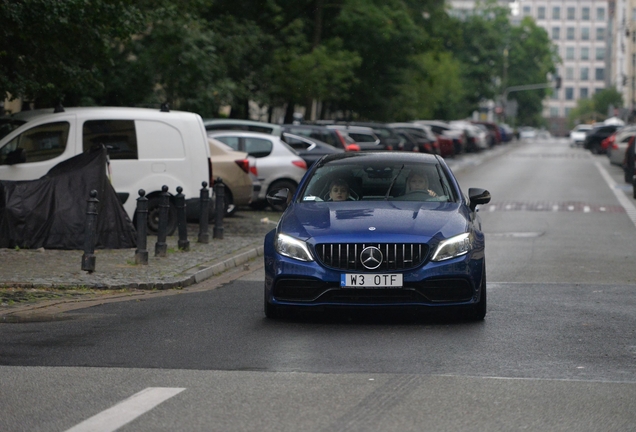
(153, 217)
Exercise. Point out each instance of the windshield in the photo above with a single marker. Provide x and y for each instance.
(391, 181)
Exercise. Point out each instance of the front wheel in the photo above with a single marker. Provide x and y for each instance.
(153, 217)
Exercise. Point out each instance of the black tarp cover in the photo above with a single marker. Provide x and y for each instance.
(51, 212)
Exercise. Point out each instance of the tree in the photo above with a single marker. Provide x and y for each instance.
(596, 108)
(50, 49)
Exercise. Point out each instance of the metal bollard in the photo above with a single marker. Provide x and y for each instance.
(141, 254)
(219, 190)
(180, 203)
(161, 248)
(88, 258)
(204, 236)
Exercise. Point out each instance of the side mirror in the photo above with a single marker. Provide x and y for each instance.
(279, 197)
(478, 197)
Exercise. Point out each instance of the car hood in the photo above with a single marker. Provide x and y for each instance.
(374, 221)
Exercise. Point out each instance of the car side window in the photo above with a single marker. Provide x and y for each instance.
(118, 136)
(37, 144)
(258, 147)
(230, 141)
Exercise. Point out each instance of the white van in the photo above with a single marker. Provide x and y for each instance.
(147, 148)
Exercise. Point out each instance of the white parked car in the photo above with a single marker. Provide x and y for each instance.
(577, 135)
(477, 137)
(147, 148)
(277, 164)
(528, 132)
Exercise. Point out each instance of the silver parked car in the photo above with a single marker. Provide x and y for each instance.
(277, 164)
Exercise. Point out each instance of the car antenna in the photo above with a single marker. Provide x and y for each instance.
(59, 108)
(165, 107)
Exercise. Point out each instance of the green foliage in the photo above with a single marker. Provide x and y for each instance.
(368, 59)
(596, 108)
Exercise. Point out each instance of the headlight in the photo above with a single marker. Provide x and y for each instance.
(453, 247)
(292, 247)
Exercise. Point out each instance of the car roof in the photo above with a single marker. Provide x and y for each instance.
(387, 156)
(89, 112)
(238, 124)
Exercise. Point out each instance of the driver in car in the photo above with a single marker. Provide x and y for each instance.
(418, 182)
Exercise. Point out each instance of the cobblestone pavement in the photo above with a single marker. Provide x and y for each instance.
(116, 269)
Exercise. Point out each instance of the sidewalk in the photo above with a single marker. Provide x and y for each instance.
(116, 269)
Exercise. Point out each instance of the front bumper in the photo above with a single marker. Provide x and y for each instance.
(455, 282)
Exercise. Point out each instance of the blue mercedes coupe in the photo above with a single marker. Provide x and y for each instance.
(377, 229)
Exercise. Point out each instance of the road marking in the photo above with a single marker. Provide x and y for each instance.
(620, 196)
(127, 410)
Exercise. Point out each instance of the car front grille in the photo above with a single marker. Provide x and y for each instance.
(395, 256)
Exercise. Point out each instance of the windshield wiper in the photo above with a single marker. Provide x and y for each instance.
(386, 197)
(444, 187)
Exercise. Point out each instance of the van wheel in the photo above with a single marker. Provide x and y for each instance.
(279, 185)
(153, 216)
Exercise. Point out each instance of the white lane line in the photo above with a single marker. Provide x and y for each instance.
(127, 410)
(620, 195)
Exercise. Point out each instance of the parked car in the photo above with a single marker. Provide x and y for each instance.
(388, 137)
(443, 129)
(476, 135)
(617, 147)
(391, 246)
(233, 167)
(147, 148)
(364, 137)
(495, 133)
(244, 125)
(322, 133)
(577, 135)
(595, 137)
(309, 149)
(427, 141)
(528, 132)
(277, 164)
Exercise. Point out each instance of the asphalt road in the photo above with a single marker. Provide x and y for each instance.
(556, 352)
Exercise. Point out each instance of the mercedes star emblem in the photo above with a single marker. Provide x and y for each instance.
(371, 257)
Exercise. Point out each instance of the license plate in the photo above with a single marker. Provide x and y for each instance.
(351, 280)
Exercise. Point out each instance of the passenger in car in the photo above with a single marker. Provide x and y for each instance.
(418, 182)
(338, 190)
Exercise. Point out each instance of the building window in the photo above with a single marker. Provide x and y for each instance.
(555, 94)
(556, 12)
(569, 73)
(585, 53)
(584, 93)
(600, 74)
(541, 12)
(585, 74)
(556, 33)
(571, 14)
(570, 33)
(569, 93)
(585, 14)
(569, 53)
(554, 111)
(527, 10)
(600, 34)
(567, 111)
(585, 33)
(600, 14)
(600, 53)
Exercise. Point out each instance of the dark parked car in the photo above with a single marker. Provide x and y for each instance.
(391, 244)
(321, 133)
(310, 149)
(595, 137)
(388, 137)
